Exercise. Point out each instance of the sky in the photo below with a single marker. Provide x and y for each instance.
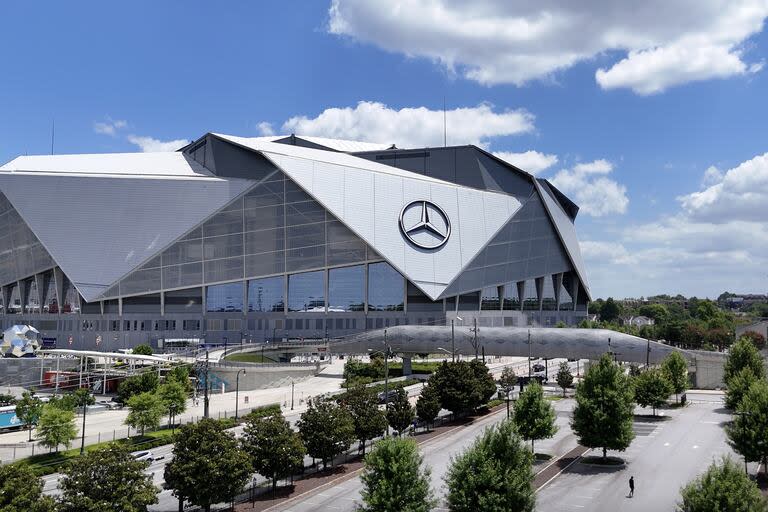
(651, 116)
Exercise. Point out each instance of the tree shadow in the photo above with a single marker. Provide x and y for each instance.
(650, 418)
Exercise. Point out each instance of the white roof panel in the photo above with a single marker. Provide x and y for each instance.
(345, 146)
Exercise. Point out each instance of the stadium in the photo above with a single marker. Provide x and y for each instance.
(235, 239)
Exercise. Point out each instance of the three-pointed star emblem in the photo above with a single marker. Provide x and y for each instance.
(439, 229)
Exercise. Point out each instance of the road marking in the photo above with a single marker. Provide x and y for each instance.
(710, 422)
(574, 461)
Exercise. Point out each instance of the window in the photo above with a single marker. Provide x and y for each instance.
(184, 301)
(266, 295)
(346, 288)
(548, 300)
(511, 297)
(224, 298)
(469, 301)
(306, 292)
(530, 296)
(489, 299)
(418, 301)
(386, 288)
(566, 299)
(191, 325)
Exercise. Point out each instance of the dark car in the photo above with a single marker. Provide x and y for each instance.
(388, 397)
(538, 367)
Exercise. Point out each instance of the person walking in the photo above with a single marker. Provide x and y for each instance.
(631, 486)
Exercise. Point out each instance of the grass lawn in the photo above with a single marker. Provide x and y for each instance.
(249, 357)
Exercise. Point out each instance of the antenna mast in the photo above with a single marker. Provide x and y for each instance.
(445, 126)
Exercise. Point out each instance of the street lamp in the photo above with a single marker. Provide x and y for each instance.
(237, 389)
(453, 354)
(529, 354)
(453, 340)
(292, 383)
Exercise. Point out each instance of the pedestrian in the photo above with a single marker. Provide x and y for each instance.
(631, 486)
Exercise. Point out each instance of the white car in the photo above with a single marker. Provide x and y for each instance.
(146, 455)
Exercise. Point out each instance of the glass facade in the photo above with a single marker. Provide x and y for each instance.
(225, 298)
(346, 289)
(386, 288)
(490, 299)
(566, 298)
(530, 296)
(306, 292)
(266, 295)
(548, 298)
(511, 297)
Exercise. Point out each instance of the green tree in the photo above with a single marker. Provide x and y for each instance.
(493, 475)
(564, 376)
(7, 399)
(21, 490)
(463, 385)
(56, 427)
(180, 374)
(743, 354)
(173, 396)
(369, 421)
(604, 408)
(534, 417)
(208, 465)
(676, 368)
(611, 310)
(142, 350)
(394, 478)
(28, 410)
(652, 388)
(757, 339)
(400, 413)
(146, 382)
(428, 405)
(326, 428)
(145, 411)
(748, 434)
(722, 488)
(738, 387)
(658, 312)
(107, 479)
(507, 382)
(275, 449)
(483, 385)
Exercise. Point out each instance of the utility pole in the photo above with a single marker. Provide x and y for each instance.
(647, 353)
(206, 401)
(529, 353)
(386, 378)
(474, 337)
(453, 343)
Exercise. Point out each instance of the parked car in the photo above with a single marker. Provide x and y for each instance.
(146, 455)
(391, 394)
(538, 367)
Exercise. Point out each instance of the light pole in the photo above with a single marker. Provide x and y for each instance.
(453, 343)
(529, 354)
(292, 383)
(237, 389)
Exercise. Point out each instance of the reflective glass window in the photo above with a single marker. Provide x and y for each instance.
(548, 299)
(306, 292)
(530, 296)
(469, 301)
(511, 297)
(226, 297)
(489, 299)
(566, 300)
(184, 301)
(386, 288)
(70, 303)
(33, 299)
(266, 295)
(14, 304)
(346, 288)
(420, 302)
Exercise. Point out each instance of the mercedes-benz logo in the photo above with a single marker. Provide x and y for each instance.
(425, 224)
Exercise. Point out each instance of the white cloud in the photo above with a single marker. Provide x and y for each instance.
(589, 187)
(151, 145)
(717, 241)
(660, 43)
(265, 129)
(109, 127)
(412, 127)
(740, 194)
(531, 161)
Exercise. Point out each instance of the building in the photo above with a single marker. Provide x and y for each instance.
(234, 238)
(639, 321)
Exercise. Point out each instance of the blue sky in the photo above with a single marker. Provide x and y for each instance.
(653, 121)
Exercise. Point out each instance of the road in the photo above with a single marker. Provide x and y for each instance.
(664, 456)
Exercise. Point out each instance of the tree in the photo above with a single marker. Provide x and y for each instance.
(534, 417)
(145, 411)
(483, 385)
(757, 339)
(7, 399)
(610, 311)
(493, 475)
(676, 368)
(326, 428)
(738, 387)
(604, 408)
(56, 427)
(107, 479)
(748, 434)
(400, 413)
(394, 478)
(28, 410)
(564, 376)
(658, 312)
(275, 449)
(208, 465)
(718, 337)
(652, 388)
(428, 405)
(146, 382)
(507, 382)
(142, 350)
(723, 487)
(21, 490)
(180, 374)
(369, 421)
(173, 396)
(743, 354)
(463, 385)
